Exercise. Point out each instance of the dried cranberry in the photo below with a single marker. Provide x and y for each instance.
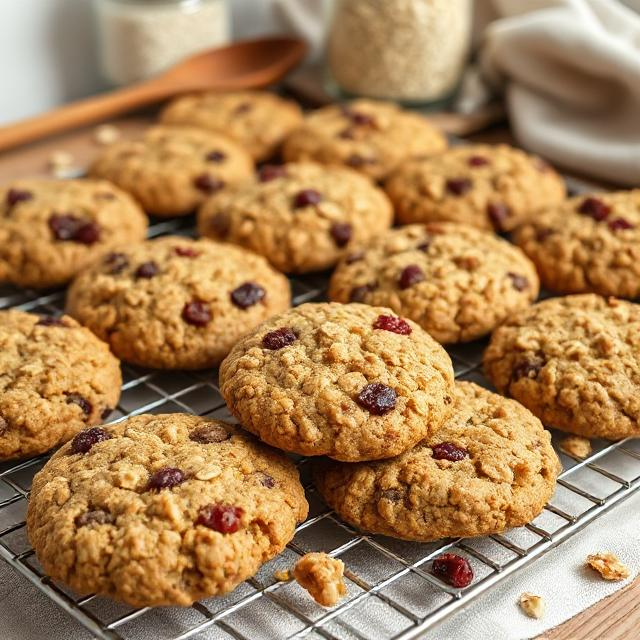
(393, 324)
(270, 172)
(453, 569)
(196, 313)
(106, 412)
(88, 233)
(478, 161)
(341, 233)
(619, 224)
(393, 495)
(410, 275)
(448, 451)
(424, 246)
(50, 321)
(69, 227)
(14, 196)
(377, 398)
(209, 434)
(247, 294)
(362, 119)
(116, 262)
(528, 368)
(520, 283)
(83, 403)
(97, 516)
(215, 156)
(147, 270)
(279, 338)
(84, 440)
(498, 214)
(354, 257)
(595, 208)
(165, 478)
(358, 294)
(221, 518)
(266, 480)
(243, 107)
(4, 426)
(306, 198)
(220, 224)
(207, 183)
(355, 160)
(543, 233)
(346, 134)
(458, 186)
(186, 252)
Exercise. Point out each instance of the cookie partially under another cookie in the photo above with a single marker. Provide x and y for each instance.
(590, 243)
(349, 381)
(301, 217)
(574, 362)
(457, 282)
(177, 303)
(52, 229)
(490, 187)
(489, 467)
(372, 137)
(162, 510)
(171, 170)
(257, 120)
(56, 378)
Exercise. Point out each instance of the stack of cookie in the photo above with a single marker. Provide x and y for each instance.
(168, 509)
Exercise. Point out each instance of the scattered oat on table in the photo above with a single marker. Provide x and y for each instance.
(322, 576)
(608, 566)
(576, 446)
(106, 134)
(532, 605)
(282, 576)
(61, 163)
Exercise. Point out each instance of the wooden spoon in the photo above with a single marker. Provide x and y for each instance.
(243, 65)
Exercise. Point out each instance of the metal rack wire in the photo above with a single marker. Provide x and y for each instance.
(391, 592)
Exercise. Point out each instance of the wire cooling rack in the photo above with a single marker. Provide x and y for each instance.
(391, 592)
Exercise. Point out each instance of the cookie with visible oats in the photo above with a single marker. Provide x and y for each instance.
(457, 282)
(52, 229)
(56, 378)
(171, 170)
(490, 187)
(177, 303)
(490, 467)
(369, 136)
(257, 120)
(349, 381)
(574, 362)
(162, 510)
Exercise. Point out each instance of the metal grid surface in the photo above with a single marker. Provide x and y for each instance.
(391, 593)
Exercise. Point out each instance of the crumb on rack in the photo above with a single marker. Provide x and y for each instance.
(576, 446)
(532, 605)
(608, 566)
(322, 576)
(282, 576)
(61, 163)
(106, 134)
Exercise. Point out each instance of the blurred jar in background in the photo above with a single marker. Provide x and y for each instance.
(140, 38)
(413, 51)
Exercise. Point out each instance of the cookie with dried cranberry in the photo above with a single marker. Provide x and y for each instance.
(349, 381)
(52, 229)
(177, 303)
(301, 217)
(574, 362)
(56, 378)
(490, 467)
(369, 136)
(257, 120)
(490, 187)
(172, 170)
(457, 282)
(162, 510)
(587, 244)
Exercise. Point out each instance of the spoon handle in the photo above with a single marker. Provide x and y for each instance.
(83, 112)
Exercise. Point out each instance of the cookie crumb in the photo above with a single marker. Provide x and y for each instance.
(576, 446)
(532, 605)
(61, 163)
(322, 576)
(106, 134)
(282, 576)
(608, 566)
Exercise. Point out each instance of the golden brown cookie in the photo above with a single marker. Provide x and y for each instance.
(490, 187)
(590, 243)
(366, 135)
(56, 378)
(490, 467)
(162, 510)
(457, 282)
(574, 362)
(301, 217)
(257, 120)
(177, 303)
(52, 229)
(171, 170)
(349, 381)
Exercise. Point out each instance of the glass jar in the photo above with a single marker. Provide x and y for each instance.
(140, 38)
(412, 51)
